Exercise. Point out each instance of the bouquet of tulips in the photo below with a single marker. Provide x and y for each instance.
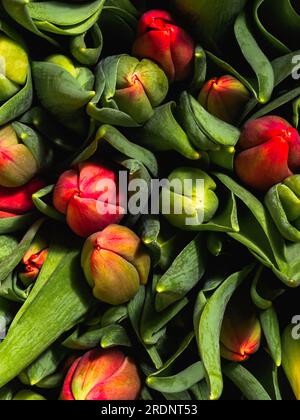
(149, 200)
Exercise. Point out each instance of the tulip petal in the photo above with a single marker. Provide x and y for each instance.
(95, 367)
(125, 384)
(116, 280)
(19, 200)
(67, 394)
(17, 166)
(263, 166)
(65, 189)
(156, 46)
(86, 216)
(96, 180)
(124, 242)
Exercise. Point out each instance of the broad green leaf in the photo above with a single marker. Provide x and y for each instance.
(54, 309)
(246, 382)
(210, 329)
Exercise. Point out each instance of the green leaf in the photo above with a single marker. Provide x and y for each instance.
(43, 366)
(118, 141)
(185, 272)
(163, 133)
(17, 104)
(115, 335)
(44, 207)
(210, 21)
(153, 324)
(277, 103)
(114, 315)
(218, 131)
(53, 309)
(270, 326)
(256, 58)
(210, 329)
(273, 42)
(246, 382)
(9, 262)
(84, 54)
(180, 382)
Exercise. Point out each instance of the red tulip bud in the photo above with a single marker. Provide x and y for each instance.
(102, 375)
(224, 98)
(88, 196)
(270, 152)
(33, 261)
(115, 263)
(160, 39)
(18, 201)
(241, 331)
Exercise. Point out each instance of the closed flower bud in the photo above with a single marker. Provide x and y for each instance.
(190, 198)
(33, 261)
(102, 375)
(241, 331)
(224, 97)
(270, 152)
(129, 90)
(14, 67)
(88, 196)
(163, 41)
(18, 201)
(291, 359)
(17, 163)
(115, 264)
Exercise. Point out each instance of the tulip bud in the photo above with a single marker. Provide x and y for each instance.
(141, 85)
(190, 199)
(291, 359)
(14, 67)
(283, 203)
(102, 375)
(128, 99)
(225, 98)
(18, 201)
(17, 164)
(115, 263)
(241, 331)
(270, 152)
(33, 261)
(88, 196)
(160, 39)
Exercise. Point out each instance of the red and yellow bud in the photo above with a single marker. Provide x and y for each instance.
(270, 152)
(115, 264)
(18, 201)
(241, 331)
(102, 375)
(88, 196)
(291, 358)
(17, 164)
(33, 261)
(224, 97)
(163, 41)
